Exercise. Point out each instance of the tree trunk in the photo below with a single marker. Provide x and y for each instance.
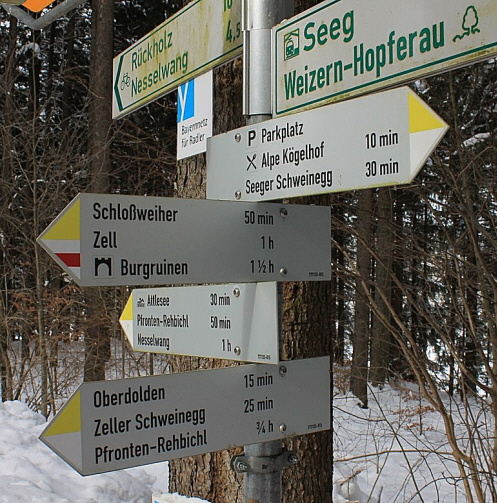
(97, 337)
(307, 332)
(35, 279)
(398, 362)
(338, 283)
(381, 339)
(68, 66)
(7, 176)
(362, 316)
(208, 476)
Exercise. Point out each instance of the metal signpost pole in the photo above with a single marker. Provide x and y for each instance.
(263, 462)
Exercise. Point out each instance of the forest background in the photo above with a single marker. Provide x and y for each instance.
(413, 293)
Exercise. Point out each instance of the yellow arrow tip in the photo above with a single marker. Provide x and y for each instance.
(127, 314)
(68, 420)
(67, 225)
(421, 116)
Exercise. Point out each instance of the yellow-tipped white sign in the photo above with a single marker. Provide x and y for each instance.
(378, 140)
(231, 321)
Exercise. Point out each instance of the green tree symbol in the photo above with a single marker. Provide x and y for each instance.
(469, 23)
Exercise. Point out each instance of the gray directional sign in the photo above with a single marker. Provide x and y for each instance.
(111, 425)
(112, 240)
(235, 322)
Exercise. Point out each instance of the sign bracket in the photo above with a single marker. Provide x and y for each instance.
(264, 464)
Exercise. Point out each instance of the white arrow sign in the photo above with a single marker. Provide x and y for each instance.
(111, 425)
(234, 322)
(344, 48)
(377, 140)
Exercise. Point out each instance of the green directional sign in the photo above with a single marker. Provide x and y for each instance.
(339, 49)
(202, 35)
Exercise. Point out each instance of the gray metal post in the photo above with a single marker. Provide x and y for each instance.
(263, 487)
(262, 463)
(258, 17)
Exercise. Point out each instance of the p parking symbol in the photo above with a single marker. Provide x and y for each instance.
(251, 138)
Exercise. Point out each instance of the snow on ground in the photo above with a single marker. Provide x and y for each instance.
(381, 454)
(31, 472)
(395, 451)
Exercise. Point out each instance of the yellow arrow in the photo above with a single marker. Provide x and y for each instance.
(63, 434)
(421, 116)
(61, 239)
(126, 319)
(68, 420)
(426, 129)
